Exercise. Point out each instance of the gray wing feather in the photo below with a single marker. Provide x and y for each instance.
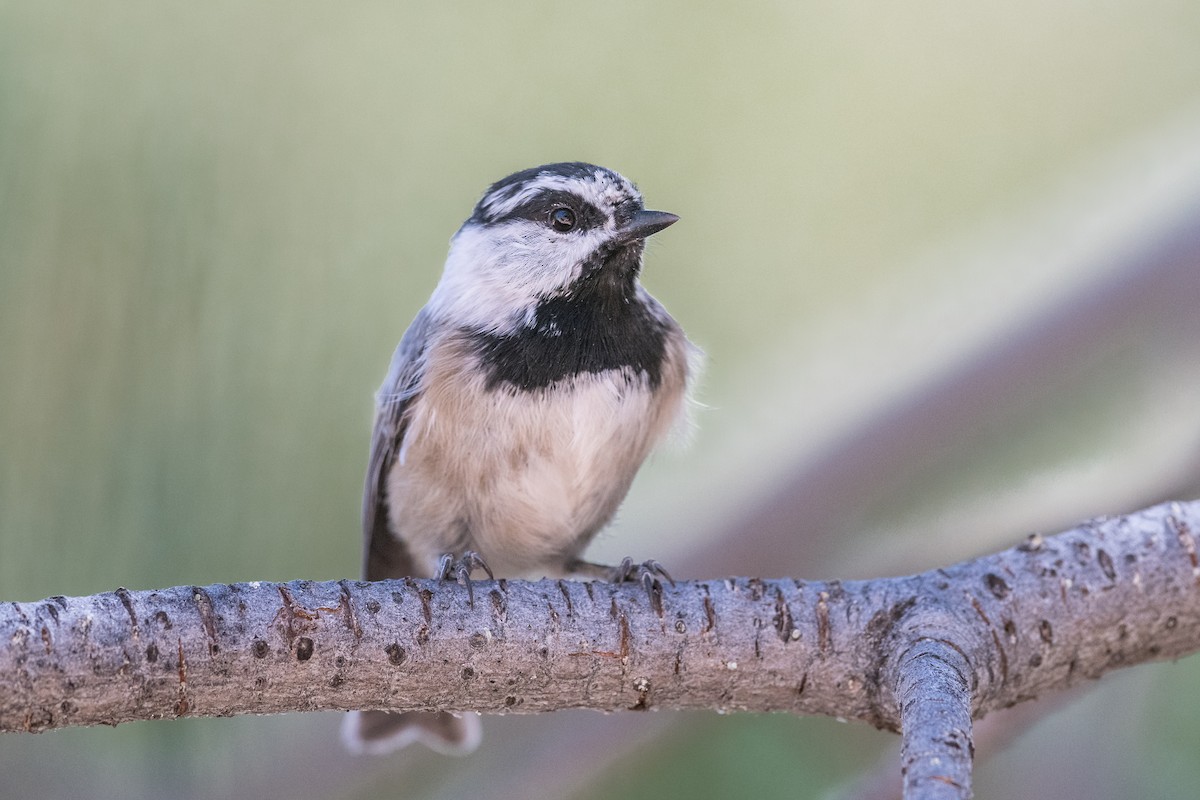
(384, 555)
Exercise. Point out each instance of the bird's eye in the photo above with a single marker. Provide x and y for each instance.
(562, 219)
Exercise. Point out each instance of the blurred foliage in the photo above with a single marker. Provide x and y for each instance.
(217, 219)
(725, 757)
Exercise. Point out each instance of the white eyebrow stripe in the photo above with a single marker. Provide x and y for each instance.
(509, 200)
(602, 190)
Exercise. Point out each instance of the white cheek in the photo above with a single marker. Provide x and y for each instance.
(574, 249)
(495, 277)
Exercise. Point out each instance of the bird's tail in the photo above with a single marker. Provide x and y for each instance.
(378, 733)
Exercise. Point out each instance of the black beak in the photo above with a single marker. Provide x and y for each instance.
(646, 223)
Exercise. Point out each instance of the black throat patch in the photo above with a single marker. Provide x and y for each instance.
(600, 325)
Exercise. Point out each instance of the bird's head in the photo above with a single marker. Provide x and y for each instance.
(545, 233)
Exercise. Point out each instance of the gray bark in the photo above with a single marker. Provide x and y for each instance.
(927, 652)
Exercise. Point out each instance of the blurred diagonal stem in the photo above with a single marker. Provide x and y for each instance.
(924, 654)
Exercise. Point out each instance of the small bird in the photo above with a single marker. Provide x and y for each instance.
(520, 403)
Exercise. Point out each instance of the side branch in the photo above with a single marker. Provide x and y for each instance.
(993, 631)
(934, 699)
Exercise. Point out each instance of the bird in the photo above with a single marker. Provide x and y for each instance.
(520, 403)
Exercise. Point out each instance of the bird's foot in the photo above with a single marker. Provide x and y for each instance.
(460, 569)
(647, 573)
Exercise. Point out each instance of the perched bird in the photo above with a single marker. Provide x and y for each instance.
(520, 403)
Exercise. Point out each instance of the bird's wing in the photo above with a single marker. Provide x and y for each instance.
(384, 555)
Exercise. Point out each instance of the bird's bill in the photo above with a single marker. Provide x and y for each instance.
(646, 223)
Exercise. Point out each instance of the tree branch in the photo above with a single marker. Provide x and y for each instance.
(926, 652)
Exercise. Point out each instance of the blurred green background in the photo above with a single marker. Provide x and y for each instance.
(217, 219)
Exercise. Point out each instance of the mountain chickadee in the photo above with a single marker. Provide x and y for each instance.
(520, 403)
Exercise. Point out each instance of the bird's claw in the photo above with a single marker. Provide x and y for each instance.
(647, 573)
(460, 570)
